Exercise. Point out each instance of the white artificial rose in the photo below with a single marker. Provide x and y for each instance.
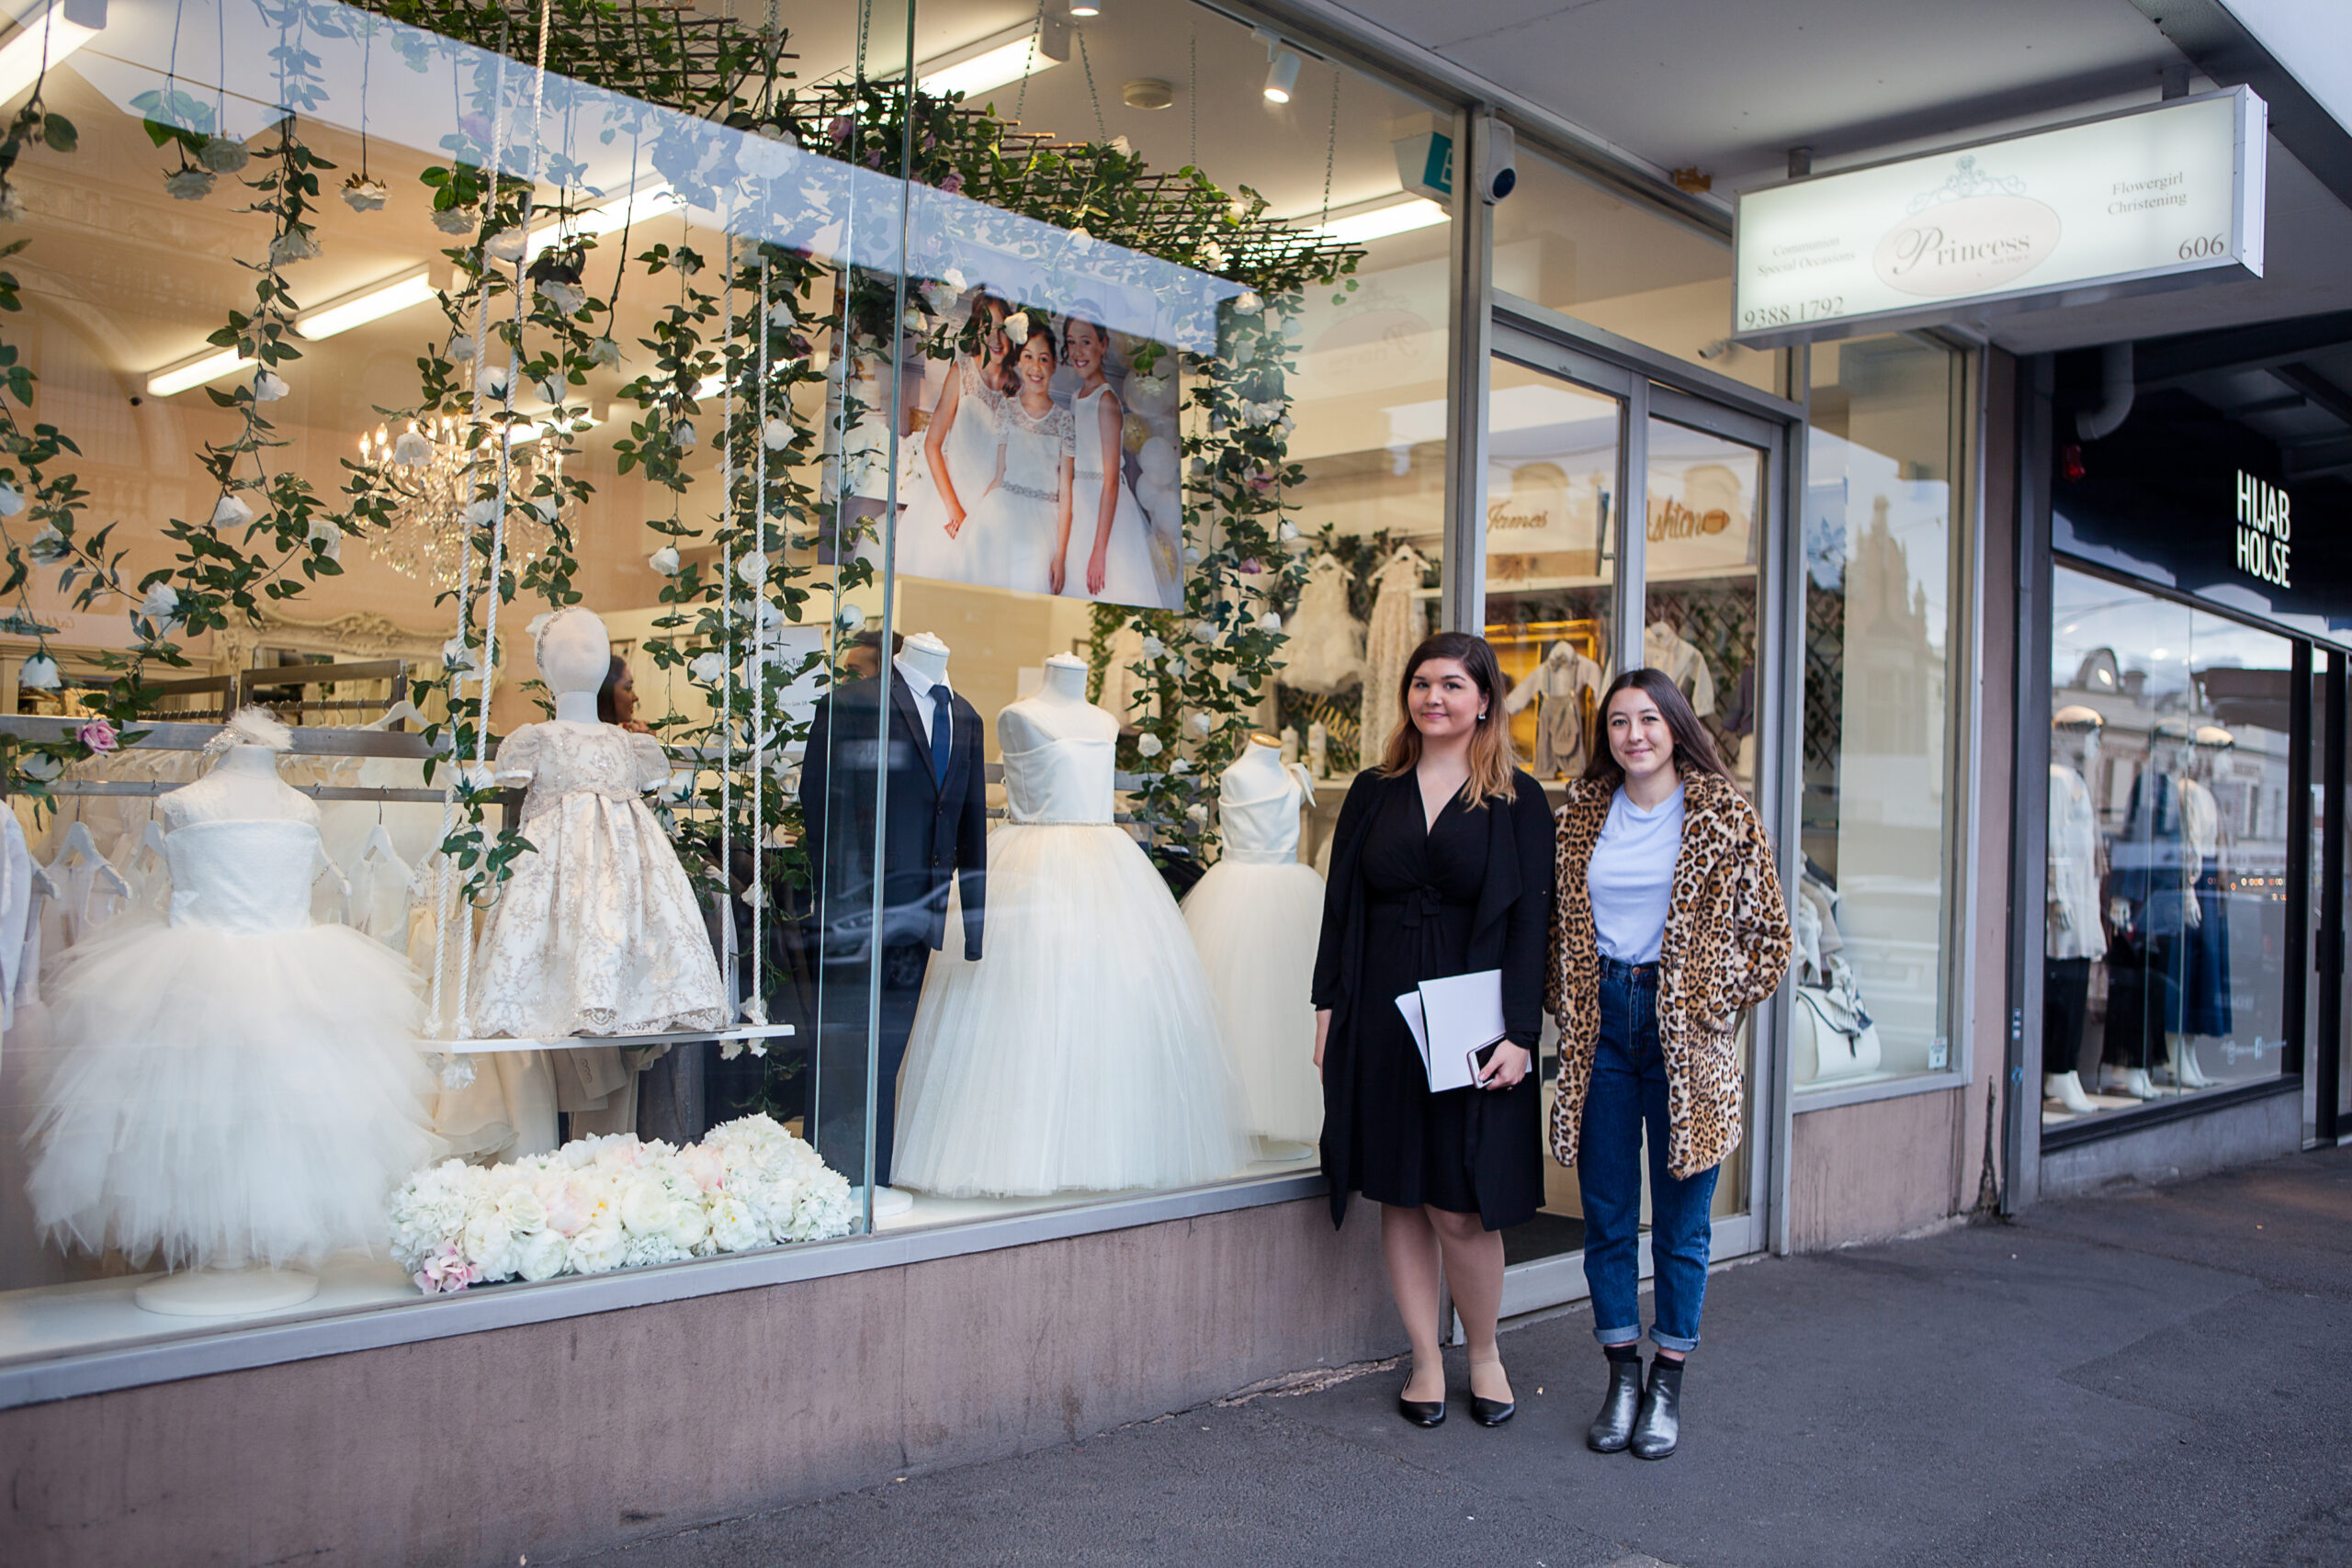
(1203, 631)
(457, 654)
(689, 1226)
(600, 1245)
(1148, 745)
(49, 547)
(664, 560)
(507, 244)
(1200, 724)
(161, 602)
(732, 1228)
(230, 511)
(780, 316)
(11, 501)
(491, 381)
(708, 668)
(268, 387)
(777, 435)
(541, 1255)
(647, 1207)
(684, 434)
(762, 159)
(523, 1210)
(480, 513)
(1196, 814)
(489, 1246)
(752, 569)
(38, 673)
(1270, 622)
(1153, 647)
(411, 450)
(1247, 303)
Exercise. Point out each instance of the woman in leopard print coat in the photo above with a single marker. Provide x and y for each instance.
(1668, 923)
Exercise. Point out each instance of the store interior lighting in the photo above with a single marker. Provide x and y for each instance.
(1391, 217)
(1080, 10)
(635, 208)
(991, 62)
(368, 305)
(1282, 74)
(209, 367)
(46, 36)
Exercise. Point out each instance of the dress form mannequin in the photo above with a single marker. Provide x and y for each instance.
(2154, 905)
(1059, 712)
(2206, 1005)
(926, 655)
(2073, 937)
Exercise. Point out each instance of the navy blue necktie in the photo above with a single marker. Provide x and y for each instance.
(940, 699)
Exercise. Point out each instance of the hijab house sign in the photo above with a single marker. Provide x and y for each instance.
(2153, 199)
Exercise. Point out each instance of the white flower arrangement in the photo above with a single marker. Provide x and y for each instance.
(602, 1203)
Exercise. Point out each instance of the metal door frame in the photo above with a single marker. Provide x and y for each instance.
(1649, 385)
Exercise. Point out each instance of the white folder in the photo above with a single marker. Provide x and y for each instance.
(1452, 1019)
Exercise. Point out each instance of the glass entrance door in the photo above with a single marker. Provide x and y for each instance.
(1613, 502)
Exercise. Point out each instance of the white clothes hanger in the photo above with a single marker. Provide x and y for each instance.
(79, 848)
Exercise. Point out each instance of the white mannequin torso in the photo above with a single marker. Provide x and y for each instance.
(1059, 712)
(242, 787)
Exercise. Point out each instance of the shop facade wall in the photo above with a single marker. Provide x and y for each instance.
(567, 1436)
(1860, 1173)
(2191, 1146)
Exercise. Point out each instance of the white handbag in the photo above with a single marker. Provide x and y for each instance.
(1831, 1035)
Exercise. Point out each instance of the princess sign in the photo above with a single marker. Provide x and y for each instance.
(2152, 198)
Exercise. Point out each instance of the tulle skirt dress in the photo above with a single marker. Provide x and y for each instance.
(223, 1098)
(1128, 576)
(1082, 1051)
(1256, 927)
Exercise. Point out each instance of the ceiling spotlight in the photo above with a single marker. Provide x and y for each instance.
(1080, 10)
(1282, 75)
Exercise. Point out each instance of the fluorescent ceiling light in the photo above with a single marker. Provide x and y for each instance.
(994, 65)
(49, 36)
(368, 305)
(196, 372)
(529, 430)
(1379, 222)
(635, 208)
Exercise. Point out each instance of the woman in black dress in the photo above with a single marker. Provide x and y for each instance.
(1441, 865)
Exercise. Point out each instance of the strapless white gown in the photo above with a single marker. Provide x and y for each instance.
(1127, 574)
(235, 1083)
(1081, 1051)
(1256, 918)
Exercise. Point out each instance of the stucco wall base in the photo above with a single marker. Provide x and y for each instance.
(560, 1437)
(2234, 1135)
(1866, 1172)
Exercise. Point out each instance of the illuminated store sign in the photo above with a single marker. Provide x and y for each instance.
(2147, 200)
(2264, 528)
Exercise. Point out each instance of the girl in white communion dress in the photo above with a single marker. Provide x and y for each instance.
(1082, 1051)
(1110, 542)
(959, 455)
(233, 1085)
(1019, 529)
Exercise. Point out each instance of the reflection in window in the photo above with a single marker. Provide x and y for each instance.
(2167, 905)
(1871, 894)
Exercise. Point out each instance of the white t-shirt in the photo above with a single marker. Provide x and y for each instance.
(1631, 876)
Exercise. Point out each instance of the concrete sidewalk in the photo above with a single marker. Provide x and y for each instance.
(2155, 1376)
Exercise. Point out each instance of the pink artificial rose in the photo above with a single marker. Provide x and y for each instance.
(570, 1208)
(708, 1169)
(1251, 567)
(952, 182)
(840, 126)
(99, 736)
(446, 1272)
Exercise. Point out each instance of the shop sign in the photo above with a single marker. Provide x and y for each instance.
(2264, 530)
(2157, 197)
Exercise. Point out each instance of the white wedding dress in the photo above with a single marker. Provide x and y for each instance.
(1256, 918)
(598, 931)
(1323, 650)
(1081, 1052)
(235, 1085)
(1127, 574)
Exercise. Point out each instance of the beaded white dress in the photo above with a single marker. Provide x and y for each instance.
(1257, 918)
(598, 931)
(233, 1085)
(1081, 1052)
(1323, 650)
(1013, 527)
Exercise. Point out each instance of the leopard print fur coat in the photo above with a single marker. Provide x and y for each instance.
(1726, 947)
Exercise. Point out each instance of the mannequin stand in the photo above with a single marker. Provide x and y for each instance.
(226, 1293)
(2066, 1089)
(889, 1202)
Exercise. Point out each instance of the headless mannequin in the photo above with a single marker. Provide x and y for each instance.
(2076, 752)
(924, 655)
(2166, 757)
(1257, 771)
(1059, 712)
(242, 787)
(2200, 822)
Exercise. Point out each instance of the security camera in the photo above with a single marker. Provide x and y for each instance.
(1499, 165)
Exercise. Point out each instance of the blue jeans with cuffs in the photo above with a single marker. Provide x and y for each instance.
(1629, 1091)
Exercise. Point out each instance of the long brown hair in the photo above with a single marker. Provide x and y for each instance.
(1491, 756)
(1692, 749)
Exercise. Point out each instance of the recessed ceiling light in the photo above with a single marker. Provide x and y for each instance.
(368, 305)
(196, 372)
(46, 40)
(991, 66)
(1379, 222)
(1148, 93)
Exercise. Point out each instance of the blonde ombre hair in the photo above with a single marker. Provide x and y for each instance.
(1492, 757)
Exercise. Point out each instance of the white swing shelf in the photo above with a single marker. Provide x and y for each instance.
(488, 1045)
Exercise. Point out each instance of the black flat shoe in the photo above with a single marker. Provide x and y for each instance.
(1492, 1412)
(1613, 1427)
(1421, 1412)
(1658, 1429)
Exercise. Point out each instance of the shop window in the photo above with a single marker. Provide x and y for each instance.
(1873, 893)
(2166, 939)
(1624, 266)
(359, 456)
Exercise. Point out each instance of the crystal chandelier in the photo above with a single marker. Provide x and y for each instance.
(434, 472)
